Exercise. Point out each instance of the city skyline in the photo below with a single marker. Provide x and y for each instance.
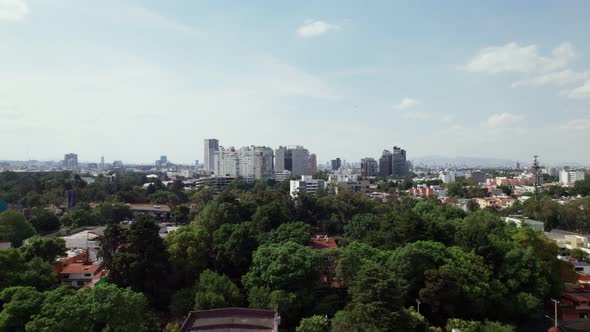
(437, 78)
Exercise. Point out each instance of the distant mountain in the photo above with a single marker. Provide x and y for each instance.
(465, 162)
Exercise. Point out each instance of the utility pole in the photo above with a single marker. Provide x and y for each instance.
(418, 301)
(556, 302)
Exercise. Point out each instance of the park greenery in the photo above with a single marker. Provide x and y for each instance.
(249, 246)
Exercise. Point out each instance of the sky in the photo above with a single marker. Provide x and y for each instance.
(133, 80)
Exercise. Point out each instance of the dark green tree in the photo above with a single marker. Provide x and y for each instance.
(15, 228)
(46, 248)
(215, 291)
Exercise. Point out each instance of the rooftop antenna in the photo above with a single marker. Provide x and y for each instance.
(537, 176)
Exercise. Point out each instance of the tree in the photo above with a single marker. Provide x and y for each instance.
(233, 245)
(314, 323)
(109, 213)
(46, 248)
(270, 216)
(412, 260)
(182, 302)
(143, 263)
(297, 232)
(17, 271)
(113, 237)
(216, 214)
(215, 291)
(180, 215)
(288, 266)
(101, 308)
(15, 228)
(353, 256)
(360, 224)
(20, 303)
(43, 220)
(188, 249)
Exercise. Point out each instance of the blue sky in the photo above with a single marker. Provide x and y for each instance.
(132, 80)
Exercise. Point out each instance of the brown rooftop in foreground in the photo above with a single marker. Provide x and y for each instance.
(231, 319)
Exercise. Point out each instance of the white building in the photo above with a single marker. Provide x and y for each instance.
(249, 162)
(447, 176)
(567, 178)
(307, 184)
(282, 175)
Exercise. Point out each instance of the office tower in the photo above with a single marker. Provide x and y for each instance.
(71, 161)
(369, 167)
(197, 163)
(386, 163)
(400, 165)
(569, 177)
(117, 163)
(211, 146)
(263, 163)
(313, 164)
(336, 164)
(164, 161)
(102, 163)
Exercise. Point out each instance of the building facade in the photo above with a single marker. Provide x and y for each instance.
(386, 164)
(399, 162)
(211, 146)
(369, 167)
(71, 161)
(313, 164)
(250, 162)
(306, 184)
(568, 178)
(336, 164)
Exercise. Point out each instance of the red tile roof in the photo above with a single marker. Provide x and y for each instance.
(79, 268)
(319, 242)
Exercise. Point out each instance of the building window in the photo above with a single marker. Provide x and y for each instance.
(65, 276)
(87, 275)
(579, 269)
(80, 283)
(584, 315)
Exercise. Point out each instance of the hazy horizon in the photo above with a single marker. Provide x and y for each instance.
(132, 80)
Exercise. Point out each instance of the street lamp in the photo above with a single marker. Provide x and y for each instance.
(418, 301)
(555, 304)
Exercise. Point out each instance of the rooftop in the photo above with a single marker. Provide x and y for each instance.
(81, 268)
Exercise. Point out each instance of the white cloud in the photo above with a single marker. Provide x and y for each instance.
(560, 78)
(314, 28)
(582, 91)
(579, 125)
(505, 119)
(407, 103)
(513, 58)
(13, 10)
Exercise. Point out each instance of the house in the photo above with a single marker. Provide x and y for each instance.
(80, 274)
(581, 267)
(499, 202)
(232, 319)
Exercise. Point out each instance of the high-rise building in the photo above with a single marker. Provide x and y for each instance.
(313, 164)
(369, 167)
(71, 161)
(386, 163)
(400, 165)
(568, 177)
(300, 161)
(211, 147)
(251, 162)
(102, 168)
(336, 164)
(295, 159)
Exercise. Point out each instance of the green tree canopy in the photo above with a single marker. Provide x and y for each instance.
(15, 228)
(215, 291)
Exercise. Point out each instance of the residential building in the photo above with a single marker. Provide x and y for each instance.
(568, 177)
(71, 161)
(447, 176)
(211, 146)
(250, 162)
(232, 319)
(425, 190)
(386, 164)
(399, 162)
(218, 183)
(283, 159)
(534, 224)
(306, 184)
(300, 161)
(313, 164)
(369, 167)
(499, 202)
(81, 274)
(336, 164)
(282, 176)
